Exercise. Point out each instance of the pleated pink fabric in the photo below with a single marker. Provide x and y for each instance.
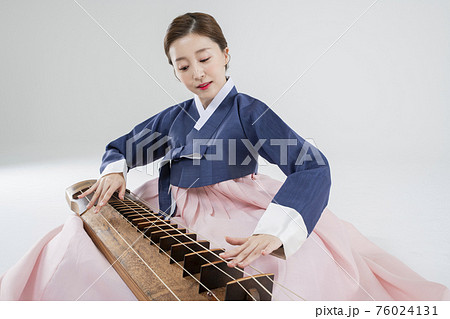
(335, 263)
(64, 265)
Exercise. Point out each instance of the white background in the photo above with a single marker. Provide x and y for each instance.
(375, 102)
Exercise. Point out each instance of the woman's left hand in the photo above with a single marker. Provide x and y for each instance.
(250, 249)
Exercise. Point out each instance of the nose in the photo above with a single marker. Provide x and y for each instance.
(198, 72)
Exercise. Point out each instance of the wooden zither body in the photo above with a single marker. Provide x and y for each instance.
(159, 260)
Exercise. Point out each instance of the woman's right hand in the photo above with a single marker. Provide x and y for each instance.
(104, 188)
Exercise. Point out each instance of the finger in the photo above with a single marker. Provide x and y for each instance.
(259, 244)
(236, 240)
(252, 255)
(243, 254)
(97, 187)
(98, 193)
(271, 247)
(104, 200)
(250, 258)
(232, 253)
(94, 198)
(122, 192)
(101, 199)
(90, 190)
(235, 251)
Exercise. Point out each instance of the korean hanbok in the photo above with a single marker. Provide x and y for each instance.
(209, 183)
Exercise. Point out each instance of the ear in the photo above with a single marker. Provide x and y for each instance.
(227, 56)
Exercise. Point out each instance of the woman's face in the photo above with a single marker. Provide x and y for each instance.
(198, 60)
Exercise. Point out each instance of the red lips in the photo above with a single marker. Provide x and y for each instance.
(203, 84)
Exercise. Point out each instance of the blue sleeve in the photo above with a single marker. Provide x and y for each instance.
(307, 186)
(145, 143)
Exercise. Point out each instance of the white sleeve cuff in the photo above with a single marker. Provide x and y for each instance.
(286, 224)
(119, 166)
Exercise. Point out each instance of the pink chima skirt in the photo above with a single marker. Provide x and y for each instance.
(335, 263)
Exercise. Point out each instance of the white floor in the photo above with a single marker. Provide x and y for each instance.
(408, 221)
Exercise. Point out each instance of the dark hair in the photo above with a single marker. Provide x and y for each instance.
(197, 23)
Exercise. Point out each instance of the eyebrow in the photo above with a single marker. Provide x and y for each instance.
(198, 51)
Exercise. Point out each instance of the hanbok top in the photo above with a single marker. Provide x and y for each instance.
(202, 147)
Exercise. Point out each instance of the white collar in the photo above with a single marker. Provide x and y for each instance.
(220, 96)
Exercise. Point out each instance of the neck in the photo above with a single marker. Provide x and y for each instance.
(205, 103)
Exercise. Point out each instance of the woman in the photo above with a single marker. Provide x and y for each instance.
(209, 183)
(200, 64)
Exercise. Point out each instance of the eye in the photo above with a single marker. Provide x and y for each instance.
(185, 68)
